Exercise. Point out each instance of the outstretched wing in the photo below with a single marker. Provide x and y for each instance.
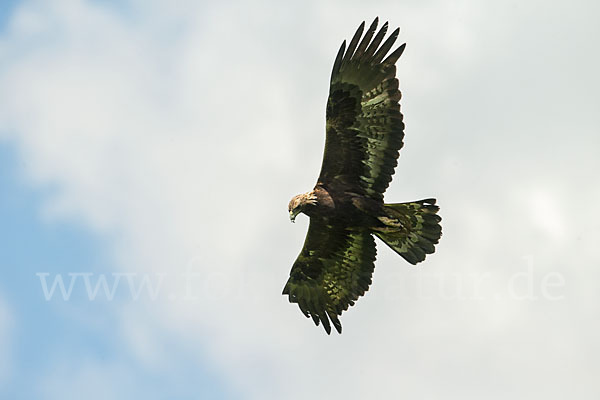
(364, 124)
(332, 271)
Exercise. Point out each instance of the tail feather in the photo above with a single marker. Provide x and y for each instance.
(411, 229)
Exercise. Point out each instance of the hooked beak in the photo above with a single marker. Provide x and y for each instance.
(292, 216)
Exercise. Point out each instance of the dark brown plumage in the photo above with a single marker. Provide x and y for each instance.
(364, 135)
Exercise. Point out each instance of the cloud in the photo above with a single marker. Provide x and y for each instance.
(90, 380)
(180, 132)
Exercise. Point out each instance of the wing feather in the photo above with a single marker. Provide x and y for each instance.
(364, 129)
(392, 58)
(338, 58)
(366, 39)
(332, 271)
(376, 41)
(386, 46)
(354, 42)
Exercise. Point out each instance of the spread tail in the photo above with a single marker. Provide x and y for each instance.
(411, 229)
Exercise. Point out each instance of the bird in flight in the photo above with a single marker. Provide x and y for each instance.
(364, 132)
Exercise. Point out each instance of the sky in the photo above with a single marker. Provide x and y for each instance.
(148, 150)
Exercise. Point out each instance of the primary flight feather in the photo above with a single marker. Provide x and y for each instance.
(364, 131)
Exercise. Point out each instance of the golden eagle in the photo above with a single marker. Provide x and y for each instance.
(364, 134)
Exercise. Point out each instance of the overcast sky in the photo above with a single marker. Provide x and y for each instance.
(156, 146)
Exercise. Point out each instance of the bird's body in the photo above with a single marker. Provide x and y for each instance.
(346, 208)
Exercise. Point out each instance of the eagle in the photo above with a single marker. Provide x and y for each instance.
(364, 133)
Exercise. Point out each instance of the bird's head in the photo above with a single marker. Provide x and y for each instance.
(299, 202)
